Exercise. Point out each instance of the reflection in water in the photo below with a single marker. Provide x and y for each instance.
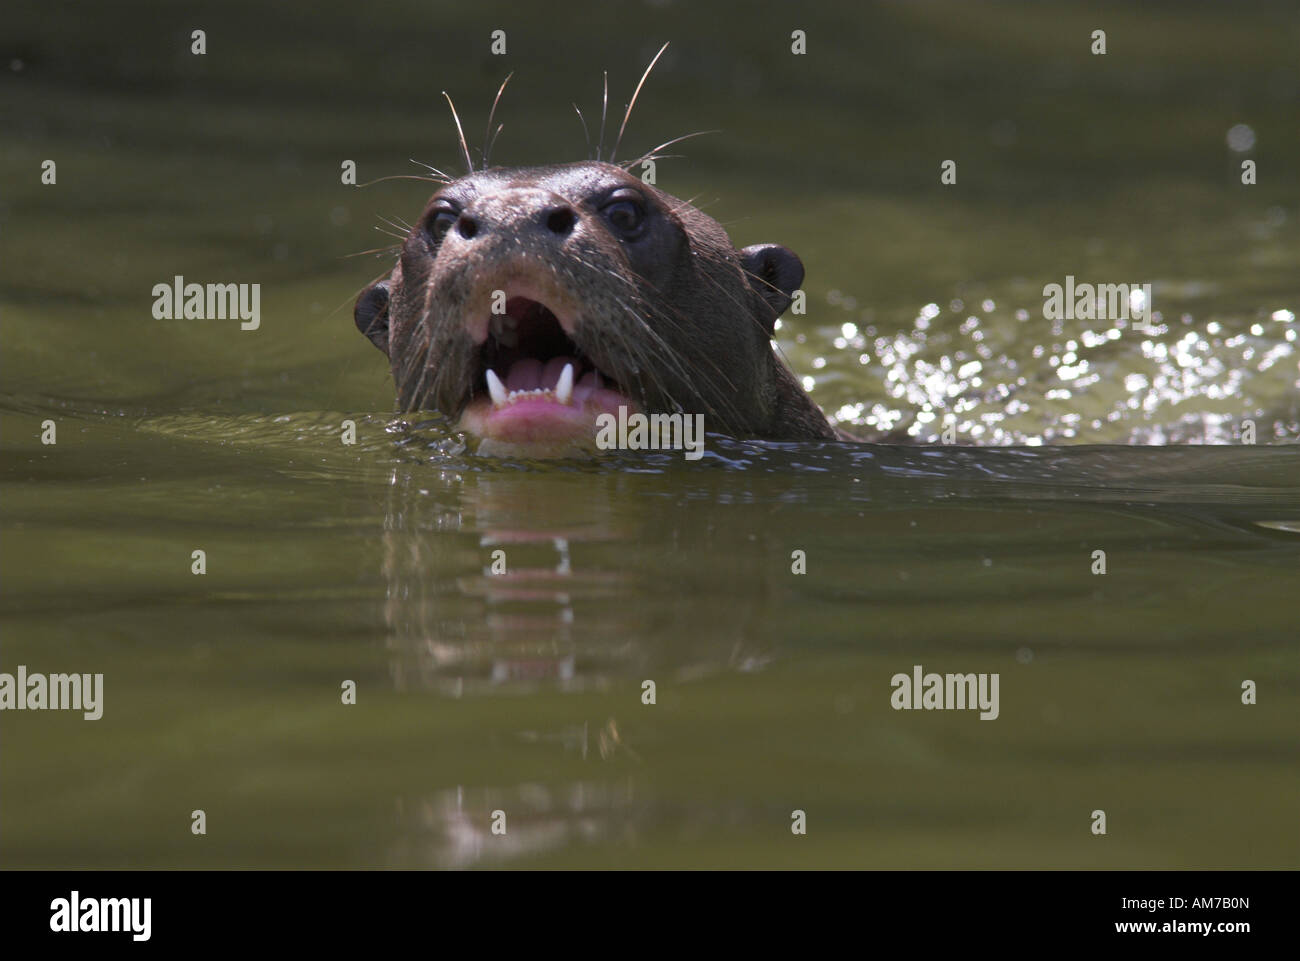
(652, 568)
(584, 602)
(575, 607)
(453, 828)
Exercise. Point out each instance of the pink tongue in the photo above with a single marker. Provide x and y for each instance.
(530, 374)
(524, 374)
(553, 369)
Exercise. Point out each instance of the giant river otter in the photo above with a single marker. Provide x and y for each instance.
(528, 302)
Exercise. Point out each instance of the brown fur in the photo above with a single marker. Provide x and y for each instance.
(678, 317)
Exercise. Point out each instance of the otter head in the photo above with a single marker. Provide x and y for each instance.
(527, 302)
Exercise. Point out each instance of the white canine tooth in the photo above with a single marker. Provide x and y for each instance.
(564, 387)
(496, 388)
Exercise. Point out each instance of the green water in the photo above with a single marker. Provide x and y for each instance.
(522, 692)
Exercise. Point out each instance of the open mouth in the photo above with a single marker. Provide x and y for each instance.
(535, 386)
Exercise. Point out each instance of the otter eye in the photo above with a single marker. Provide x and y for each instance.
(625, 212)
(441, 219)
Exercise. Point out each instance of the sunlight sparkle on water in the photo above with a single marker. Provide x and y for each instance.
(1023, 379)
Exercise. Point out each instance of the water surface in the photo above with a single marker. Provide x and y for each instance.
(522, 692)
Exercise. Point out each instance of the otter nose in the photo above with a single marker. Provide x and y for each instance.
(559, 220)
(514, 211)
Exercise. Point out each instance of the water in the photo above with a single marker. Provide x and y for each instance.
(522, 691)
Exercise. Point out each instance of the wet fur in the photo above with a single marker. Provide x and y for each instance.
(682, 322)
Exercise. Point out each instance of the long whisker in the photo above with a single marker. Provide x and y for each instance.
(413, 397)
(586, 134)
(460, 132)
(654, 154)
(373, 250)
(654, 357)
(446, 176)
(632, 103)
(379, 180)
(488, 139)
(493, 144)
(604, 108)
(721, 399)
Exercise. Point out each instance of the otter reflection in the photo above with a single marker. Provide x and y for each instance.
(589, 596)
(593, 597)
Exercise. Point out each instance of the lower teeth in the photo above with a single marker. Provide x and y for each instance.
(562, 392)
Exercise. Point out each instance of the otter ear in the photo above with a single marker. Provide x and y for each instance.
(775, 273)
(371, 314)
